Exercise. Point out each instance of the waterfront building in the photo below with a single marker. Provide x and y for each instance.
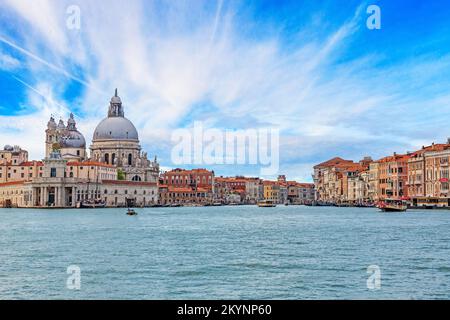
(24, 171)
(393, 176)
(338, 181)
(232, 189)
(373, 182)
(180, 186)
(436, 172)
(283, 189)
(13, 155)
(271, 191)
(254, 190)
(416, 171)
(363, 187)
(355, 182)
(67, 177)
(300, 193)
(328, 179)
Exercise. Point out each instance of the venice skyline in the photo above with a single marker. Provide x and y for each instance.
(237, 67)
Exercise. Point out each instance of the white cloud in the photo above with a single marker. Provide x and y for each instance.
(8, 63)
(167, 61)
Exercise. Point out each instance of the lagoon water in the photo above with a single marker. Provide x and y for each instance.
(236, 252)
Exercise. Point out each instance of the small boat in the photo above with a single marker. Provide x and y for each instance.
(266, 204)
(91, 204)
(131, 212)
(393, 205)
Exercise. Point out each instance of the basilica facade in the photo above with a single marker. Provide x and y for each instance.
(116, 142)
(117, 172)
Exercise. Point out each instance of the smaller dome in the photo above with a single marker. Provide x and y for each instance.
(73, 139)
(8, 148)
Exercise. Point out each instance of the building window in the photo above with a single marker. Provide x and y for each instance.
(78, 152)
(107, 158)
(130, 159)
(53, 172)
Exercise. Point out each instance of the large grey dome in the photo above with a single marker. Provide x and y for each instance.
(72, 138)
(115, 128)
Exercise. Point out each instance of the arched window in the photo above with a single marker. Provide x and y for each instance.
(71, 174)
(107, 158)
(130, 159)
(136, 178)
(113, 157)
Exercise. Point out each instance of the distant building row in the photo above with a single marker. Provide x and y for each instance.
(58, 182)
(200, 186)
(421, 177)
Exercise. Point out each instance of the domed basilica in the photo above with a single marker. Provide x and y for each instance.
(117, 173)
(115, 142)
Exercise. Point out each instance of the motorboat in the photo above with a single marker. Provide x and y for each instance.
(266, 204)
(393, 205)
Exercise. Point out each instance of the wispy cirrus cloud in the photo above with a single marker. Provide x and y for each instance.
(8, 63)
(175, 62)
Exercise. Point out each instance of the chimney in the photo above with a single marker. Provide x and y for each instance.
(448, 140)
(395, 153)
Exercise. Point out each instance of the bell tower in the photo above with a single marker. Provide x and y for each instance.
(51, 136)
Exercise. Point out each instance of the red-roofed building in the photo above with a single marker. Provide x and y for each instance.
(393, 176)
(417, 165)
(331, 179)
(180, 186)
(300, 193)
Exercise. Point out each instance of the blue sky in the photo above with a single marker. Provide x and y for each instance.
(310, 68)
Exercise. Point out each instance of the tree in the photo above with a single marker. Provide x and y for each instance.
(120, 175)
